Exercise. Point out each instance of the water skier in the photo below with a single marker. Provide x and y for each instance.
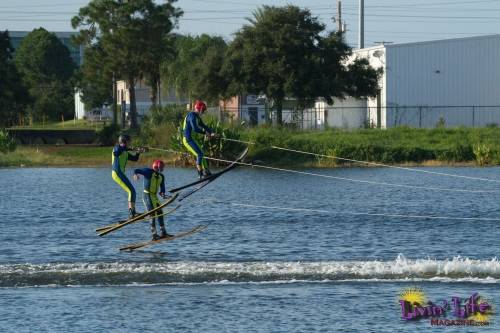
(193, 122)
(154, 180)
(121, 155)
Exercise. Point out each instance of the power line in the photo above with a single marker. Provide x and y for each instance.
(44, 5)
(448, 3)
(431, 16)
(430, 32)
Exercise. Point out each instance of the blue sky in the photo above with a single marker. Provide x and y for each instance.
(398, 21)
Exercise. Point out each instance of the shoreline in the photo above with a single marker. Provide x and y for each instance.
(99, 157)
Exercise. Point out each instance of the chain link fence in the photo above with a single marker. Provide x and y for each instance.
(366, 117)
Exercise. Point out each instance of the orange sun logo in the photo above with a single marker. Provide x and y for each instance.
(413, 295)
(483, 317)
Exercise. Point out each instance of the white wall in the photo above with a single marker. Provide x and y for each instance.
(456, 72)
(79, 106)
(349, 113)
(422, 80)
(377, 59)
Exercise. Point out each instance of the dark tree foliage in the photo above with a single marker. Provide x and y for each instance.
(47, 71)
(95, 78)
(13, 94)
(285, 52)
(196, 69)
(159, 47)
(211, 84)
(131, 36)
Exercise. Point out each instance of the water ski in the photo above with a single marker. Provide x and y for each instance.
(137, 218)
(136, 246)
(205, 181)
(109, 226)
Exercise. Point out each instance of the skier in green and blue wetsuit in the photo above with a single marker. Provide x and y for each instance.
(193, 122)
(121, 155)
(154, 181)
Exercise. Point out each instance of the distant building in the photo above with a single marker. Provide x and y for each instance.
(167, 96)
(76, 51)
(453, 82)
(247, 108)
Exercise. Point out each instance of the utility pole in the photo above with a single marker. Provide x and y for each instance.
(339, 17)
(361, 24)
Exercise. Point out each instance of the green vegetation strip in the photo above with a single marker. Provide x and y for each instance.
(66, 156)
(393, 146)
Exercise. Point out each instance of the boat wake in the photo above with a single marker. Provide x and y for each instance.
(458, 269)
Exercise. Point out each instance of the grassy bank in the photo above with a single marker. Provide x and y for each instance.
(69, 124)
(394, 146)
(66, 156)
(439, 146)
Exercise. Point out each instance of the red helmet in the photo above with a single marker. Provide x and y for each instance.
(158, 165)
(200, 106)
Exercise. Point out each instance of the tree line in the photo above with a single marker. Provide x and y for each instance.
(281, 52)
(36, 81)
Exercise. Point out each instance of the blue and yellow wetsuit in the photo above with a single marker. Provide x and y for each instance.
(153, 181)
(119, 159)
(193, 122)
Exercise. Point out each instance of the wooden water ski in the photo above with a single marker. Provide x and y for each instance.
(109, 226)
(212, 177)
(136, 246)
(196, 182)
(196, 189)
(139, 217)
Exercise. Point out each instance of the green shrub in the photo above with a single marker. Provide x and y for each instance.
(394, 145)
(170, 114)
(7, 144)
(159, 127)
(460, 152)
(108, 134)
(441, 123)
(215, 147)
(482, 153)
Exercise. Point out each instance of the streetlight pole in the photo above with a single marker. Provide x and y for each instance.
(361, 24)
(339, 16)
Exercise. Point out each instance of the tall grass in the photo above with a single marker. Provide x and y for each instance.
(7, 144)
(396, 145)
(393, 146)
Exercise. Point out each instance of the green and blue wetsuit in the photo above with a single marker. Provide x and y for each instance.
(193, 122)
(153, 181)
(119, 159)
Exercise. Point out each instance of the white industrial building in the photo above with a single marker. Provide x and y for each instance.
(454, 82)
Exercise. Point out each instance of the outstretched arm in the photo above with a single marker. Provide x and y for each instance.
(198, 125)
(133, 157)
(205, 127)
(138, 172)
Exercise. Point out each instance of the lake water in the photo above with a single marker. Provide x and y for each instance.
(324, 254)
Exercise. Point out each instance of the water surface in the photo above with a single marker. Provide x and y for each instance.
(323, 268)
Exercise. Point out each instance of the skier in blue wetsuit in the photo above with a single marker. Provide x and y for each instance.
(154, 181)
(193, 123)
(121, 155)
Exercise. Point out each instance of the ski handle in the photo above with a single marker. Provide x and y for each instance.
(139, 149)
